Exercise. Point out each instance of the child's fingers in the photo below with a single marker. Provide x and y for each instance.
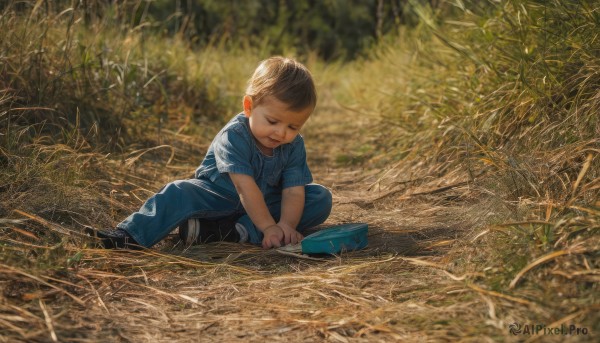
(271, 242)
(266, 243)
(275, 243)
(287, 237)
(296, 237)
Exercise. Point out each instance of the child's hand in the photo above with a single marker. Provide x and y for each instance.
(272, 237)
(290, 235)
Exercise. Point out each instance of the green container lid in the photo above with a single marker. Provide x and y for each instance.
(345, 237)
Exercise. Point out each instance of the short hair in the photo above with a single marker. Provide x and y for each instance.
(286, 79)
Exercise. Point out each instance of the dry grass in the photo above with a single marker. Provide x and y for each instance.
(228, 292)
(477, 219)
(56, 285)
(411, 284)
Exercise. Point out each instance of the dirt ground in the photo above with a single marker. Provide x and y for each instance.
(395, 290)
(409, 284)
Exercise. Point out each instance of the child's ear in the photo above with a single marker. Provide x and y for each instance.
(247, 102)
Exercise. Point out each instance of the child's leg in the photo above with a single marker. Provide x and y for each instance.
(317, 207)
(176, 202)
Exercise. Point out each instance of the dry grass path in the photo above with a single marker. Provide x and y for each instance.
(405, 286)
(396, 289)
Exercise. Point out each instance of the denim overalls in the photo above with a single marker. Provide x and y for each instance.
(212, 195)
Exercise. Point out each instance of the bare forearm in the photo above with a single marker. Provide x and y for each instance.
(253, 201)
(292, 206)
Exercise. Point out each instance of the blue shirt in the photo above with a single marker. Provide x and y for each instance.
(234, 150)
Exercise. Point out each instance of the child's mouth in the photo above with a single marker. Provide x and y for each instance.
(273, 141)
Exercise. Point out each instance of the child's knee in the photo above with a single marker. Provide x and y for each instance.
(184, 186)
(176, 190)
(321, 197)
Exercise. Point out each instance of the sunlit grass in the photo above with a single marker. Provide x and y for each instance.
(508, 95)
(501, 101)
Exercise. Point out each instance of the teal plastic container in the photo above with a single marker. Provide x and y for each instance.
(345, 237)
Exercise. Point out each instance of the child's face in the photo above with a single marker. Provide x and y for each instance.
(272, 123)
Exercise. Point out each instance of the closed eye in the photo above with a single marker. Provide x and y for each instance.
(272, 122)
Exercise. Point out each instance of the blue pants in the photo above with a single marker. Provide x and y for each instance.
(197, 198)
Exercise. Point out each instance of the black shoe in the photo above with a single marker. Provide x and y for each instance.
(114, 239)
(197, 230)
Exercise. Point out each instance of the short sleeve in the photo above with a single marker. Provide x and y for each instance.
(296, 172)
(233, 153)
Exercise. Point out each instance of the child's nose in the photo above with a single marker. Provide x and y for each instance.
(280, 131)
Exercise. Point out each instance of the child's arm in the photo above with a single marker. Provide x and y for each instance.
(254, 204)
(292, 206)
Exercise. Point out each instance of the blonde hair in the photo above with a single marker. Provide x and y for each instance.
(284, 78)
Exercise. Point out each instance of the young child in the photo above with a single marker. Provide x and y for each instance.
(254, 184)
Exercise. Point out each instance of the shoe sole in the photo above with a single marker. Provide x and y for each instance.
(192, 232)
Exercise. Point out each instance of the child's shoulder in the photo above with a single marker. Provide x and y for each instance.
(238, 121)
(299, 140)
(237, 124)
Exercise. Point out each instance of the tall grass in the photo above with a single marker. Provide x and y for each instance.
(109, 77)
(508, 93)
(75, 88)
(73, 85)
